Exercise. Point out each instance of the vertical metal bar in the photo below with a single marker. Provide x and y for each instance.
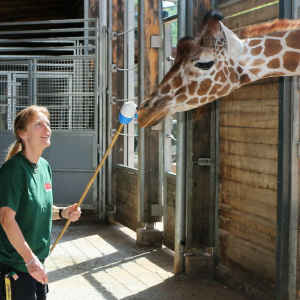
(294, 206)
(130, 79)
(125, 74)
(34, 82)
(104, 72)
(283, 177)
(30, 87)
(102, 49)
(189, 143)
(141, 94)
(109, 108)
(161, 138)
(167, 126)
(180, 171)
(96, 108)
(216, 136)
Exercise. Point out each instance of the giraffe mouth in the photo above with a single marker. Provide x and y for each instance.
(146, 119)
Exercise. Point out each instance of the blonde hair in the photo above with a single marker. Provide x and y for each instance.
(23, 118)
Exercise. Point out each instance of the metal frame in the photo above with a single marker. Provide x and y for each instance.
(283, 177)
(85, 35)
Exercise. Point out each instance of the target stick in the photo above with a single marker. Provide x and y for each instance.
(126, 115)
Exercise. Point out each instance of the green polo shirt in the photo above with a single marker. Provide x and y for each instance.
(30, 196)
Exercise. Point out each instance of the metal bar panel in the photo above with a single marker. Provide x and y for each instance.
(47, 31)
(47, 22)
(283, 187)
(46, 48)
(294, 204)
(180, 235)
(141, 94)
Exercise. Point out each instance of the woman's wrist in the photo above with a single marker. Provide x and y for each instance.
(62, 214)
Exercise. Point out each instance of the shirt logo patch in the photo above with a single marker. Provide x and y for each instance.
(48, 187)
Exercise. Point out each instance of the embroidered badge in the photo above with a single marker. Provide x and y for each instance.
(48, 187)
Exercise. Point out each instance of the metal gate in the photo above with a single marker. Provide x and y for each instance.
(68, 86)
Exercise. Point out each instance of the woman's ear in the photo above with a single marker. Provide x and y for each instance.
(21, 134)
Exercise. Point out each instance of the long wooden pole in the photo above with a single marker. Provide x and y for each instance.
(89, 185)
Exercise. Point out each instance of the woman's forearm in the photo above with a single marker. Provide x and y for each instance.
(17, 239)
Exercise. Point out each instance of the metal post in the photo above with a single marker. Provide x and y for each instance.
(294, 217)
(103, 84)
(283, 177)
(141, 94)
(180, 171)
(109, 108)
(130, 78)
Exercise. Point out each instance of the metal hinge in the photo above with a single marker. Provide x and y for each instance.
(204, 161)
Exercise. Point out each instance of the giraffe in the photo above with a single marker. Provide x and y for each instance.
(217, 62)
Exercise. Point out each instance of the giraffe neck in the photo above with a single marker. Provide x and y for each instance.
(270, 56)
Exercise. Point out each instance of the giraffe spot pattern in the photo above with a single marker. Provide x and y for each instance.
(245, 79)
(212, 73)
(182, 90)
(274, 63)
(255, 51)
(225, 71)
(245, 61)
(204, 87)
(257, 62)
(177, 82)
(255, 71)
(274, 74)
(272, 47)
(240, 70)
(216, 87)
(203, 100)
(181, 98)
(233, 76)
(220, 76)
(224, 90)
(231, 61)
(192, 87)
(291, 60)
(166, 89)
(193, 101)
(254, 43)
(293, 40)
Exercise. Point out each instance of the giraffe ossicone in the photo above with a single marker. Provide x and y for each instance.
(217, 62)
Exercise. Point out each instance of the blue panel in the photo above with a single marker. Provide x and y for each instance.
(68, 187)
(70, 152)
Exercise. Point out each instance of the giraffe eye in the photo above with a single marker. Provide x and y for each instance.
(146, 104)
(204, 66)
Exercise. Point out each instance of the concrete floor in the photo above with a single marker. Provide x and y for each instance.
(94, 261)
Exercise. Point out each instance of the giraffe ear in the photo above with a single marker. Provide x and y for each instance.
(234, 44)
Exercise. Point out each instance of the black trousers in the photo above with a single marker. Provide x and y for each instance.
(24, 288)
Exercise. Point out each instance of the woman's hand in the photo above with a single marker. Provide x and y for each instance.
(36, 270)
(70, 213)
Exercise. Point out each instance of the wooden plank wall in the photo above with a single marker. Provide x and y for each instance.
(248, 167)
(169, 233)
(127, 198)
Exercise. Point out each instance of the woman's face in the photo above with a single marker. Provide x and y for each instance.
(38, 133)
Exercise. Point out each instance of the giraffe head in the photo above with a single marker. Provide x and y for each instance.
(202, 72)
